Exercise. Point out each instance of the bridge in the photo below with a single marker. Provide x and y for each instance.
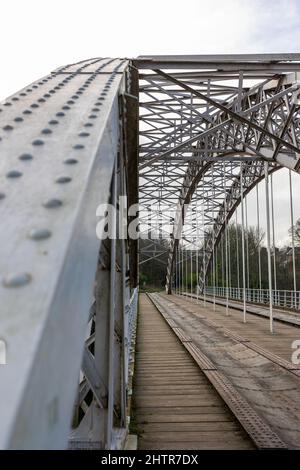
(100, 155)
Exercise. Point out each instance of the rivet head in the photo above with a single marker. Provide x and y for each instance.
(16, 280)
(18, 119)
(25, 156)
(63, 179)
(46, 131)
(88, 124)
(53, 122)
(27, 111)
(78, 147)
(39, 234)
(60, 114)
(13, 174)
(83, 134)
(71, 161)
(52, 203)
(38, 142)
(8, 128)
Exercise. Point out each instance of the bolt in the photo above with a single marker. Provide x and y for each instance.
(16, 280)
(71, 161)
(63, 179)
(39, 234)
(52, 203)
(38, 142)
(26, 156)
(13, 174)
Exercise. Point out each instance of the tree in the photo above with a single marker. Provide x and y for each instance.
(296, 229)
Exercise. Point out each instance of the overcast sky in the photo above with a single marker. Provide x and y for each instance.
(38, 36)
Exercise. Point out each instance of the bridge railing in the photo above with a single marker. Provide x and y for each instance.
(281, 298)
(131, 314)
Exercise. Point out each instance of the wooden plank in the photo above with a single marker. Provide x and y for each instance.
(174, 405)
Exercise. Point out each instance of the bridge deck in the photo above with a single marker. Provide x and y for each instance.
(174, 404)
(249, 363)
(255, 329)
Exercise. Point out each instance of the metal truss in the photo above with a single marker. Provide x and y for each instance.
(68, 145)
(200, 117)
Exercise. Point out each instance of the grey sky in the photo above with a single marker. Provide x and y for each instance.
(38, 36)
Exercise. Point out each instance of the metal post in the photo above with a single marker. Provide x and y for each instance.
(273, 236)
(197, 247)
(203, 252)
(191, 273)
(226, 240)
(269, 245)
(247, 243)
(237, 251)
(243, 244)
(258, 235)
(112, 314)
(293, 237)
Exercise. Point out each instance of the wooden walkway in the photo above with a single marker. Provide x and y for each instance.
(174, 405)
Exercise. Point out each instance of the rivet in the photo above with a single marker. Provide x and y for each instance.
(41, 100)
(15, 98)
(27, 111)
(53, 122)
(8, 128)
(52, 203)
(70, 102)
(17, 280)
(7, 104)
(63, 179)
(78, 146)
(95, 110)
(93, 116)
(88, 124)
(71, 161)
(46, 131)
(34, 105)
(83, 134)
(26, 156)
(13, 174)
(39, 234)
(66, 108)
(60, 114)
(38, 142)
(18, 119)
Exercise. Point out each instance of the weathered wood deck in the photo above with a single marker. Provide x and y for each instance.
(174, 404)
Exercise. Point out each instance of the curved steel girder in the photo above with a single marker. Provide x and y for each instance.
(193, 176)
(252, 175)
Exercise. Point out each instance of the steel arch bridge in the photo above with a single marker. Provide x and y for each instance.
(162, 130)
